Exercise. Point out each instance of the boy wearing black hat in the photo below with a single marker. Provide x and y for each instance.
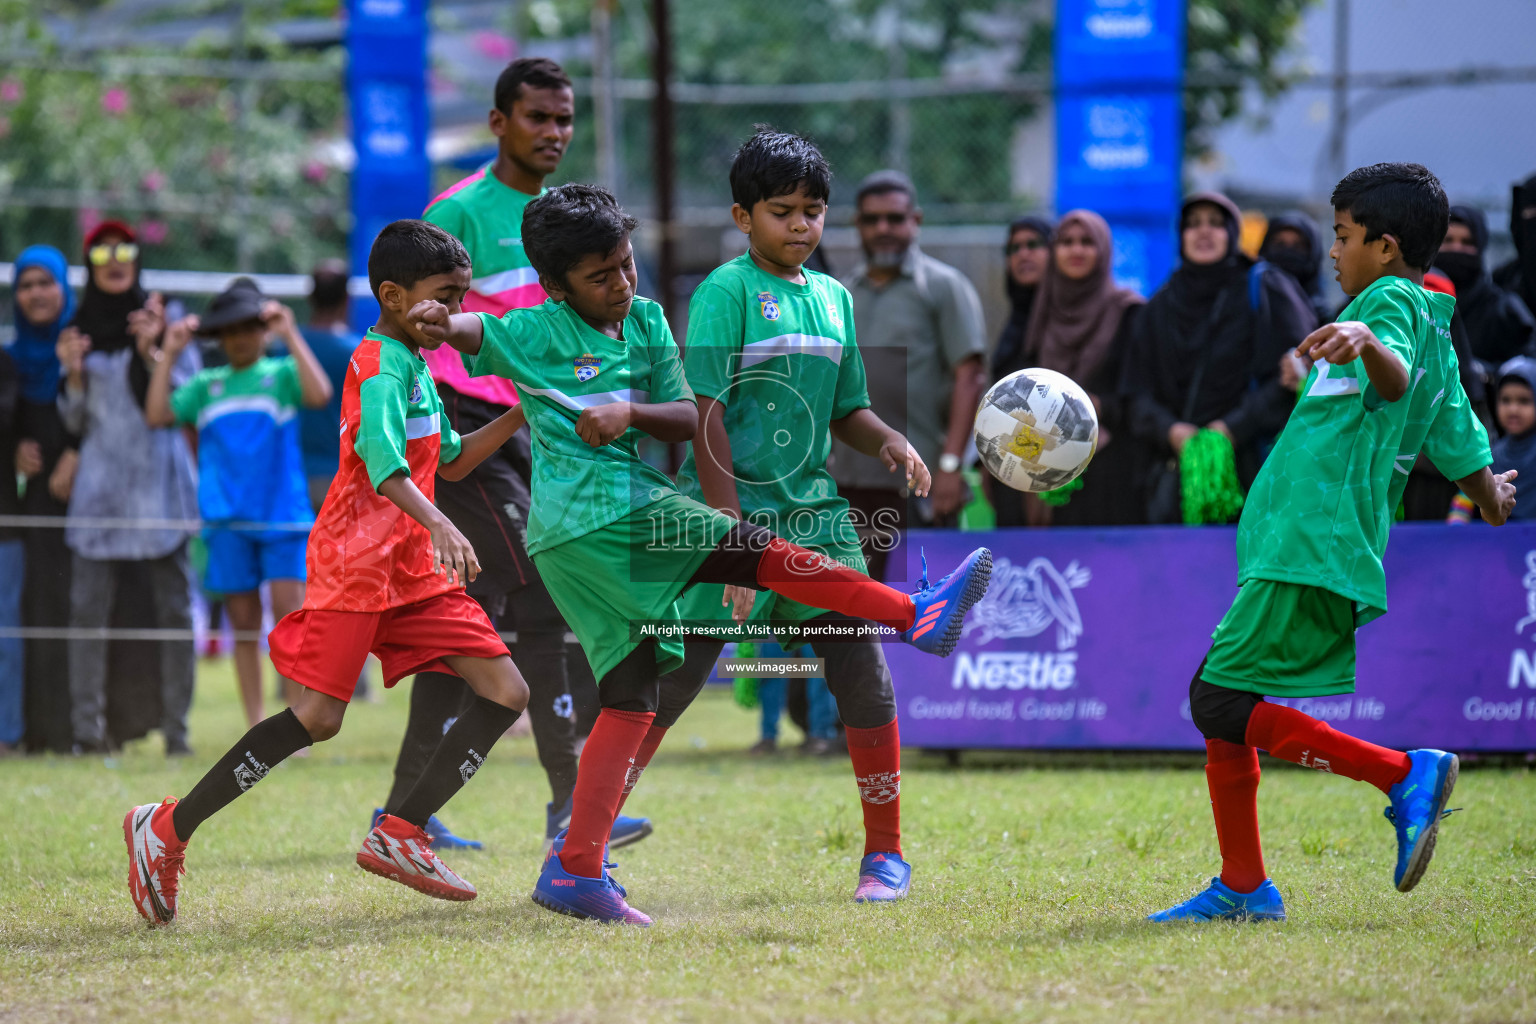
(252, 493)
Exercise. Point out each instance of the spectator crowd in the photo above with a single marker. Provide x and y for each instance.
(159, 455)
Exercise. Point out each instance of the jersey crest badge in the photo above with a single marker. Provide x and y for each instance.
(834, 314)
(416, 393)
(769, 305)
(587, 366)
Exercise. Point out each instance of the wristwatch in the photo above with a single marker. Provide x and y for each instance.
(949, 462)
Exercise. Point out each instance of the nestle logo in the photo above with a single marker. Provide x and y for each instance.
(562, 881)
(1016, 670)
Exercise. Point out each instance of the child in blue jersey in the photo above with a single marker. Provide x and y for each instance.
(252, 492)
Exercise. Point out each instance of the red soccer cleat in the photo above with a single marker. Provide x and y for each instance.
(399, 850)
(155, 858)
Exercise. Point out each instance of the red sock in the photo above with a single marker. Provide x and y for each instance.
(1232, 775)
(642, 758)
(821, 582)
(606, 762)
(876, 755)
(1288, 734)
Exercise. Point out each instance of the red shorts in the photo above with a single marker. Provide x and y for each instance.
(325, 650)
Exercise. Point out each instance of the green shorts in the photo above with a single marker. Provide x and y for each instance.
(703, 604)
(615, 582)
(1284, 640)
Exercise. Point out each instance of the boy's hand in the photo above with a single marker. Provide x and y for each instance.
(603, 423)
(1496, 513)
(277, 317)
(897, 453)
(1179, 435)
(71, 350)
(453, 555)
(178, 335)
(431, 318)
(1339, 343)
(739, 601)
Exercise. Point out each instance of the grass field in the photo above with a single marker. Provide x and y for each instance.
(1031, 880)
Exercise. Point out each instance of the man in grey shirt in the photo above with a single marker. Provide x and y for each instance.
(920, 330)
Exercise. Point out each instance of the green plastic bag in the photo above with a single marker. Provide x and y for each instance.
(1208, 479)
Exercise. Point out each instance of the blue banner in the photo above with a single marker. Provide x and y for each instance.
(387, 96)
(1119, 72)
(1089, 638)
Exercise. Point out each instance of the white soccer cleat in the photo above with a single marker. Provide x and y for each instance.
(398, 850)
(155, 859)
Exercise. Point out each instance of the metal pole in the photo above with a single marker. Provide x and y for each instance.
(1340, 105)
(605, 103)
(664, 158)
(245, 99)
(899, 142)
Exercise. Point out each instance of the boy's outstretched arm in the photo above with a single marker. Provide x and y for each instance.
(477, 445)
(1494, 493)
(314, 385)
(1342, 343)
(672, 422)
(157, 401)
(865, 432)
(463, 331)
(451, 551)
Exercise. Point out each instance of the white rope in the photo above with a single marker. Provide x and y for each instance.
(113, 523)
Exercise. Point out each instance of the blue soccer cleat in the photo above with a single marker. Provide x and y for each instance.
(1219, 903)
(558, 843)
(941, 607)
(883, 878)
(1418, 804)
(442, 838)
(624, 831)
(594, 899)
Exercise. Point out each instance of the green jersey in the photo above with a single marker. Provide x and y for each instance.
(561, 367)
(1320, 510)
(781, 358)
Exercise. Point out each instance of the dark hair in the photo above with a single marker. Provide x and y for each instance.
(570, 222)
(1403, 200)
(328, 285)
(534, 72)
(408, 251)
(883, 182)
(773, 164)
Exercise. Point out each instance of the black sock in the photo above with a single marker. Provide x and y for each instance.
(463, 750)
(247, 762)
(436, 697)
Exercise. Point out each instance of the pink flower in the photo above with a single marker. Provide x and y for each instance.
(154, 181)
(495, 45)
(315, 172)
(115, 100)
(88, 217)
(153, 231)
(10, 90)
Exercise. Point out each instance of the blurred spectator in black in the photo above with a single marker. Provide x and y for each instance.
(46, 458)
(1080, 326)
(1293, 243)
(1519, 274)
(908, 304)
(1207, 349)
(1027, 252)
(12, 571)
(127, 471)
(332, 342)
(1497, 321)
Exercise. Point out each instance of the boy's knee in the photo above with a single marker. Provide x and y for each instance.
(320, 722)
(1218, 712)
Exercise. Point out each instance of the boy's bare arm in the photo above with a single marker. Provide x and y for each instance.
(1494, 493)
(1342, 343)
(476, 446)
(672, 422)
(157, 401)
(451, 551)
(463, 331)
(712, 457)
(314, 385)
(865, 432)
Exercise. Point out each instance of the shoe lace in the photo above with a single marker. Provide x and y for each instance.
(172, 867)
(922, 580)
(1391, 815)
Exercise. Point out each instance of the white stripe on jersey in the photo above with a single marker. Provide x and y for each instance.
(495, 284)
(417, 427)
(791, 345)
(576, 403)
(244, 403)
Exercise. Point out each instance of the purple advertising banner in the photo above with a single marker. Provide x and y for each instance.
(1089, 638)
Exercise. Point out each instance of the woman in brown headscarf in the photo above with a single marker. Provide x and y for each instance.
(1079, 326)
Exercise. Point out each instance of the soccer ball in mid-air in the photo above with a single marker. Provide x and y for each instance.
(1036, 430)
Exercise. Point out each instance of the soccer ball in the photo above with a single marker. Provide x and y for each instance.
(1036, 430)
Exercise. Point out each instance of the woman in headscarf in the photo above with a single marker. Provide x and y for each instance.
(1292, 243)
(1079, 326)
(127, 471)
(1519, 274)
(1207, 350)
(1499, 327)
(1027, 252)
(46, 457)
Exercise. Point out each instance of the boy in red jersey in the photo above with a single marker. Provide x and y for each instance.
(386, 574)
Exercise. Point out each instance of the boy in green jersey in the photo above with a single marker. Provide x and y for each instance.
(1383, 387)
(772, 356)
(596, 367)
